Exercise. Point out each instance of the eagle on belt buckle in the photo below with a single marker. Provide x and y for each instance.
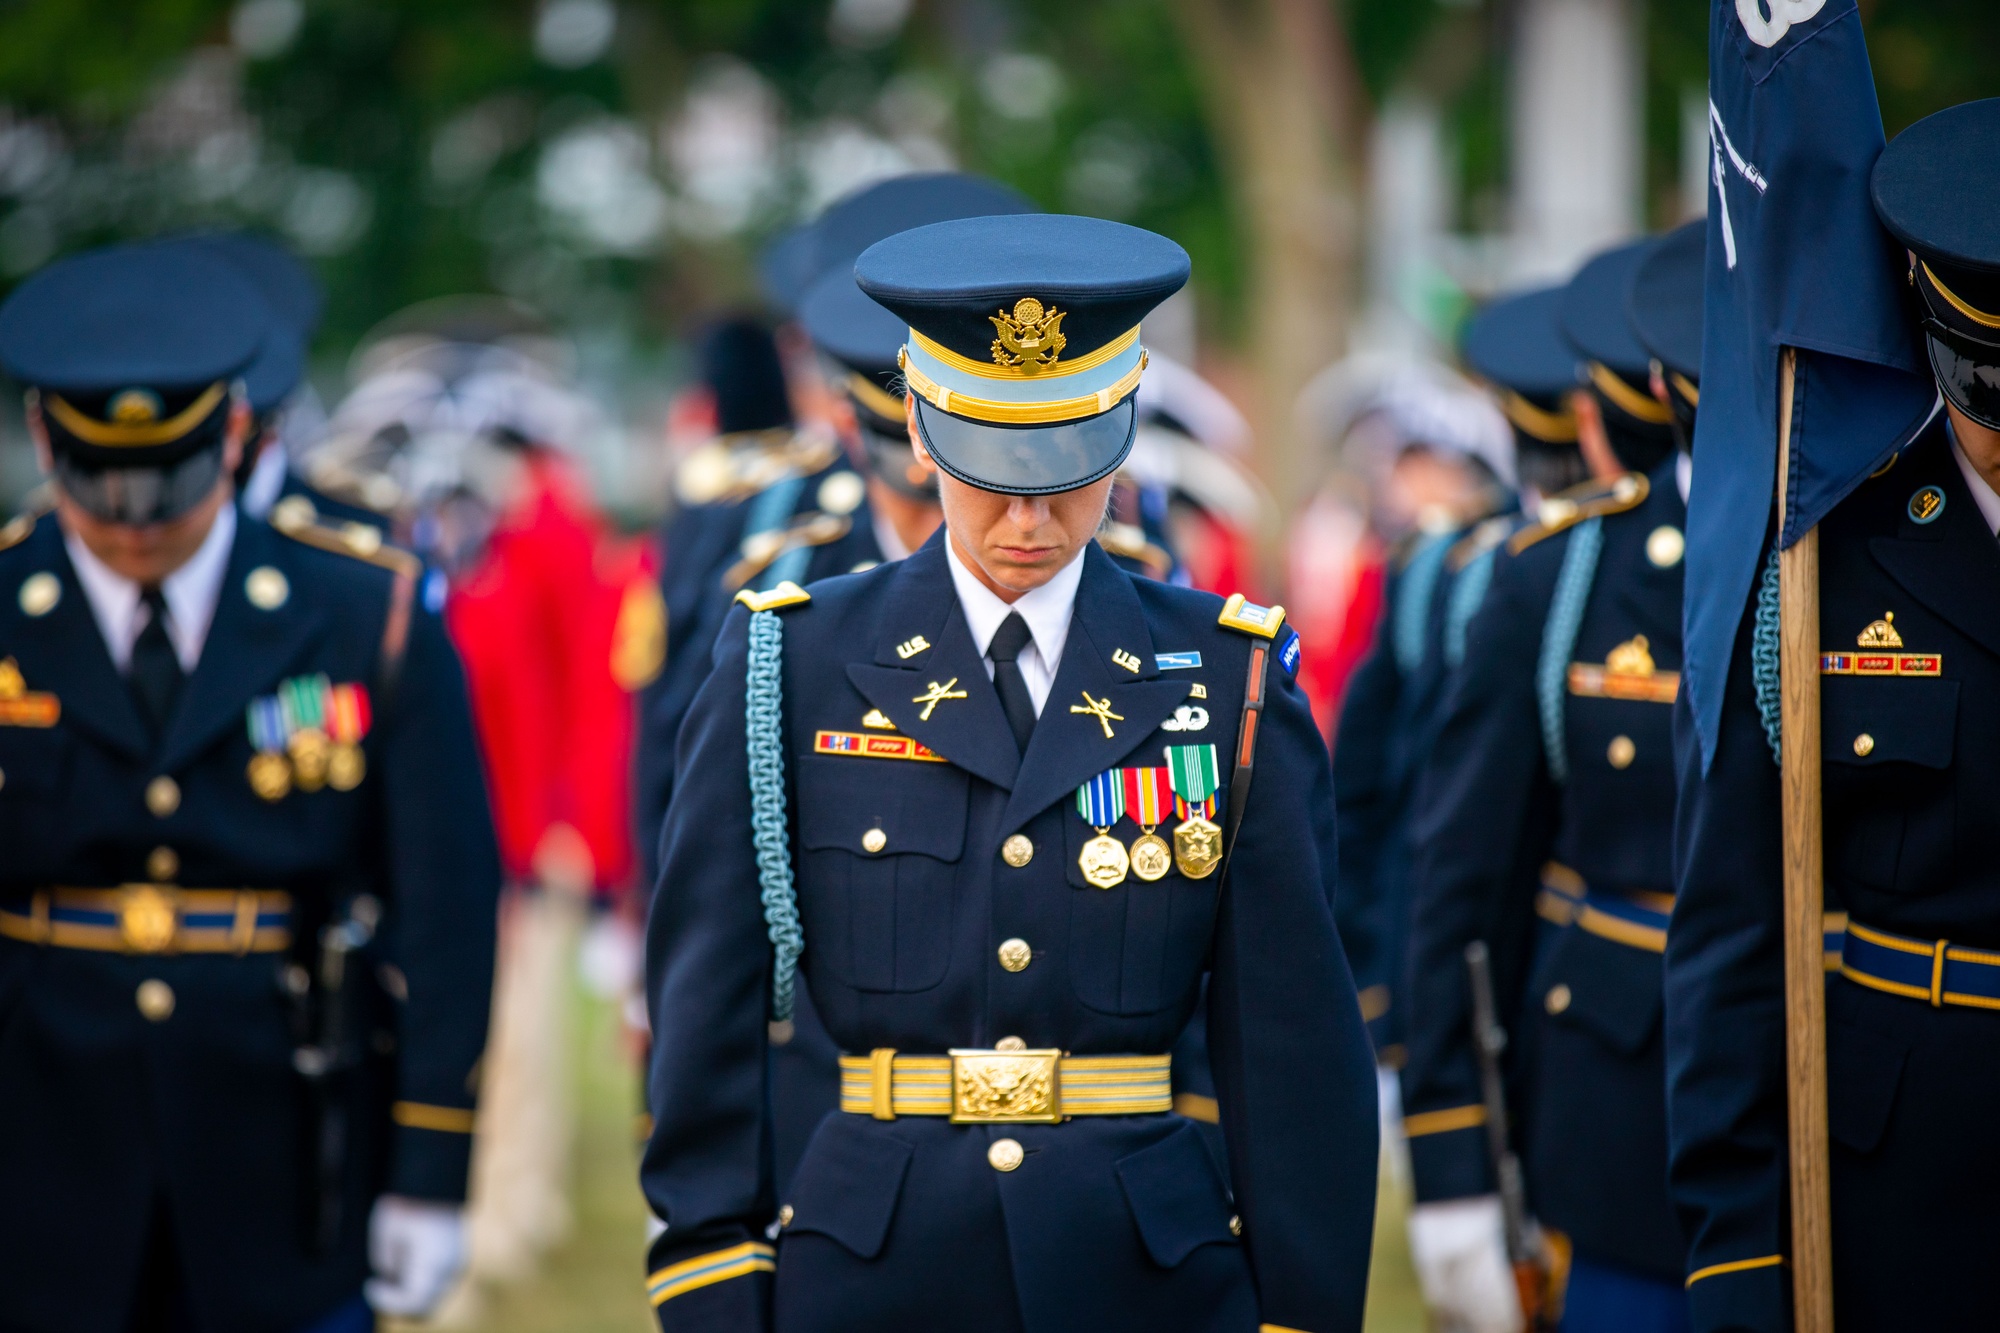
(1006, 1087)
(148, 918)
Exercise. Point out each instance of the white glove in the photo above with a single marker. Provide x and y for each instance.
(1460, 1251)
(417, 1249)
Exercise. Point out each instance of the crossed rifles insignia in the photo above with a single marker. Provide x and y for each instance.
(1030, 339)
(936, 695)
(1099, 709)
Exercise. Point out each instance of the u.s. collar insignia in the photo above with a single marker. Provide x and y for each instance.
(1126, 660)
(1031, 339)
(910, 647)
(1926, 504)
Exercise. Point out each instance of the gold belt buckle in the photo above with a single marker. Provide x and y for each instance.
(1006, 1087)
(148, 918)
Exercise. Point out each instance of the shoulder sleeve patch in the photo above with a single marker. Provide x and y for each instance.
(785, 594)
(296, 518)
(1288, 655)
(16, 530)
(1250, 618)
(1593, 499)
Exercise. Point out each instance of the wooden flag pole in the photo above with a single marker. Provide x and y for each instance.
(1805, 945)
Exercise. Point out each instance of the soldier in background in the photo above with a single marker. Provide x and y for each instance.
(1554, 750)
(246, 905)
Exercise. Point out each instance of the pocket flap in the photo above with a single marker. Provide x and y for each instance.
(1613, 989)
(1862, 1069)
(919, 806)
(849, 1182)
(1904, 720)
(1176, 1197)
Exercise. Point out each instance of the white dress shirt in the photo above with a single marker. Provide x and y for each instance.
(1047, 610)
(1982, 491)
(191, 593)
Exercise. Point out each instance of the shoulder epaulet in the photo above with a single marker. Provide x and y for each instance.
(737, 467)
(1128, 541)
(295, 517)
(761, 548)
(785, 594)
(1479, 541)
(16, 530)
(1593, 499)
(1250, 618)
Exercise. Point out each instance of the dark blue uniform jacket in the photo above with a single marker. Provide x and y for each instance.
(1912, 849)
(1580, 993)
(1110, 1223)
(111, 1124)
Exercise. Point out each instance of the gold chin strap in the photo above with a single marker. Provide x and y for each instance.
(129, 435)
(1548, 427)
(1958, 303)
(1627, 399)
(1021, 414)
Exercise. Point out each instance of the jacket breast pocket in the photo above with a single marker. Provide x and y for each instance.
(1177, 1199)
(1608, 989)
(1137, 947)
(882, 841)
(1889, 745)
(34, 764)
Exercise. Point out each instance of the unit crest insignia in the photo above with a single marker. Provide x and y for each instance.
(1031, 339)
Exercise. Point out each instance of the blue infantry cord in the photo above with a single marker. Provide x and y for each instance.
(1413, 600)
(1579, 568)
(1462, 604)
(764, 729)
(1764, 656)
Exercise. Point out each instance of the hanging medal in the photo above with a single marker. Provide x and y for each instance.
(1193, 771)
(304, 701)
(270, 772)
(1101, 802)
(1149, 794)
(347, 723)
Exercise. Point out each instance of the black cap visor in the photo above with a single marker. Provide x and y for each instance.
(1967, 369)
(891, 460)
(140, 496)
(1029, 460)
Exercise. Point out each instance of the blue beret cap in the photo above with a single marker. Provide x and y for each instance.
(1937, 189)
(1664, 304)
(1023, 347)
(159, 318)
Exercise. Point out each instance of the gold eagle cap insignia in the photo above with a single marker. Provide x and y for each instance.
(1031, 339)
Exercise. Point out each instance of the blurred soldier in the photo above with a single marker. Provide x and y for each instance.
(945, 741)
(761, 503)
(246, 907)
(1554, 750)
(1909, 624)
(1449, 491)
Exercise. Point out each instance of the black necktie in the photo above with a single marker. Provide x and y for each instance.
(156, 672)
(1015, 701)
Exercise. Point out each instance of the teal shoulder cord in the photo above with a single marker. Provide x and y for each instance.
(1764, 656)
(1579, 568)
(1413, 599)
(1465, 598)
(763, 726)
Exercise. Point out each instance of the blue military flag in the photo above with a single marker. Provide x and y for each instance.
(1795, 258)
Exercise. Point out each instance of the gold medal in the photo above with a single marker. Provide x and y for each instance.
(270, 775)
(1151, 857)
(1197, 847)
(345, 766)
(309, 749)
(1104, 861)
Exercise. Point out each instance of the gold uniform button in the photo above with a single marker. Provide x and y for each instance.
(1015, 955)
(1665, 546)
(40, 593)
(267, 588)
(1557, 999)
(155, 999)
(1235, 1225)
(1621, 752)
(163, 796)
(784, 1216)
(874, 840)
(1864, 745)
(1017, 851)
(1005, 1155)
(163, 865)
